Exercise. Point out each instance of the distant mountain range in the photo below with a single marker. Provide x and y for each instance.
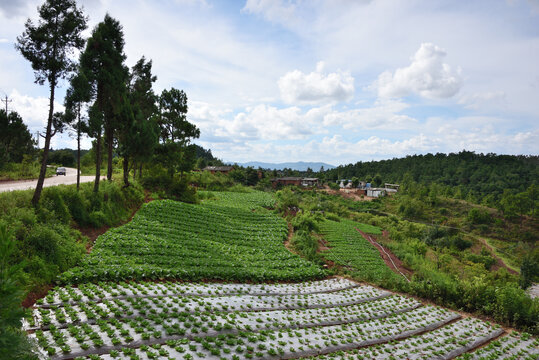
(300, 165)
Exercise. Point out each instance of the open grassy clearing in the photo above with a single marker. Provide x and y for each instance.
(231, 238)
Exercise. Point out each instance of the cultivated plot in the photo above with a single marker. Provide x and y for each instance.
(237, 321)
(232, 238)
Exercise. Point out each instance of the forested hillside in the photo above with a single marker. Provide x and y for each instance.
(465, 172)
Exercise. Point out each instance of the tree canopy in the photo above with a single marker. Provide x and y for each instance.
(15, 138)
(49, 45)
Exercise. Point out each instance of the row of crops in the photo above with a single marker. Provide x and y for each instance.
(231, 238)
(105, 310)
(348, 248)
(334, 318)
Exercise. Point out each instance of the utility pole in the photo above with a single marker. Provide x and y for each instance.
(7, 102)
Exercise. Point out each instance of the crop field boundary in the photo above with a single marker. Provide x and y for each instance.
(382, 249)
(122, 297)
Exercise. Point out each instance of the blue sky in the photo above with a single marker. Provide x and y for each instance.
(323, 80)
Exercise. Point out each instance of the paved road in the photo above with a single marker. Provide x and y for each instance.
(69, 178)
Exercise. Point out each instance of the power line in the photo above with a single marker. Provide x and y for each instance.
(7, 102)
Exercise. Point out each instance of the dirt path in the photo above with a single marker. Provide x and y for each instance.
(499, 262)
(389, 258)
(289, 238)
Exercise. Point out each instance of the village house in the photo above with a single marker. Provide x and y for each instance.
(294, 180)
(219, 169)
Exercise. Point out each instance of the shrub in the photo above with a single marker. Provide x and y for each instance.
(479, 216)
(55, 245)
(529, 270)
(486, 260)
(97, 219)
(53, 201)
(13, 342)
(460, 243)
(334, 186)
(333, 217)
(306, 222)
(306, 245)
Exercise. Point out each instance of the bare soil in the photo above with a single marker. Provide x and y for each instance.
(348, 194)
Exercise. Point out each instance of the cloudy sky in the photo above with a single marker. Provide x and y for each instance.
(323, 80)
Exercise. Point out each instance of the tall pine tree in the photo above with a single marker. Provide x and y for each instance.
(102, 63)
(48, 45)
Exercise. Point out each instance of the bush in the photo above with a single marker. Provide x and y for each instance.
(460, 243)
(306, 245)
(306, 222)
(486, 260)
(174, 188)
(97, 219)
(478, 216)
(333, 217)
(334, 186)
(13, 341)
(529, 270)
(55, 245)
(45, 241)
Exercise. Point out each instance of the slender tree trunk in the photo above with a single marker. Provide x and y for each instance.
(110, 139)
(134, 171)
(126, 171)
(48, 135)
(78, 149)
(97, 162)
(140, 171)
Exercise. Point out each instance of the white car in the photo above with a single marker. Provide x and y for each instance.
(61, 171)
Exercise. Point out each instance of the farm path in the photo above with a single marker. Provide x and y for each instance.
(499, 262)
(393, 262)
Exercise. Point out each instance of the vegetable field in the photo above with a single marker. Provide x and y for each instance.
(232, 238)
(130, 299)
(348, 248)
(330, 318)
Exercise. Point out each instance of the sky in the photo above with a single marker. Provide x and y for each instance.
(337, 81)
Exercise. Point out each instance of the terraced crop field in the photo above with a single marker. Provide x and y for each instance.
(109, 313)
(231, 238)
(348, 248)
(147, 320)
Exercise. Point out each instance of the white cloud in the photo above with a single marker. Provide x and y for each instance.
(265, 122)
(15, 8)
(33, 110)
(258, 123)
(479, 99)
(427, 76)
(272, 10)
(316, 87)
(384, 114)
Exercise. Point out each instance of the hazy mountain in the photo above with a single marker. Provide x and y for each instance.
(300, 165)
